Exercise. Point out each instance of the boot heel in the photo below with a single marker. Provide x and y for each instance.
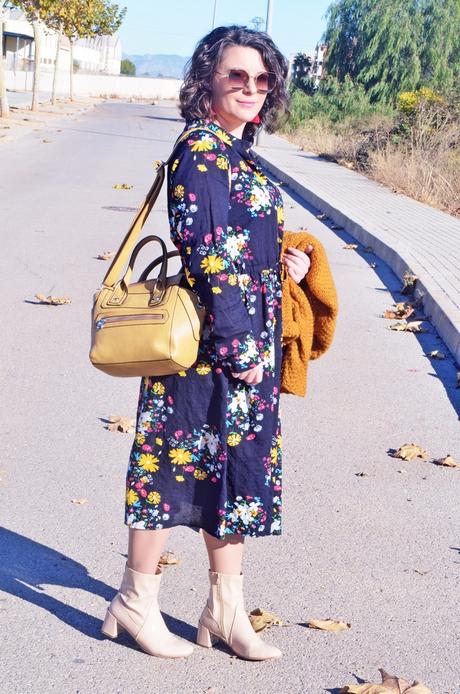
(110, 626)
(204, 637)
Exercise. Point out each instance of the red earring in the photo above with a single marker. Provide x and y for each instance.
(256, 119)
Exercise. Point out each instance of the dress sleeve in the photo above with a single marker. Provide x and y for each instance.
(198, 205)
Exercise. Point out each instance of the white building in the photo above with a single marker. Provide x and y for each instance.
(101, 54)
(318, 72)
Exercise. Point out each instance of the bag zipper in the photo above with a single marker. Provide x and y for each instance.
(117, 319)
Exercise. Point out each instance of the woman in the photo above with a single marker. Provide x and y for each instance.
(207, 450)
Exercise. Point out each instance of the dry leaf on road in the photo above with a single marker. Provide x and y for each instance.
(79, 501)
(436, 354)
(53, 300)
(415, 326)
(106, 255)
(123, 186)
(409, 451)
(401, 310)
(328, 624)
(123, 424)
(168, 558)
(350, 246)
(261, 619)
(448, 461)
(389, 685)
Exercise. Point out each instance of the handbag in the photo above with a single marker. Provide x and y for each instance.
(151, 327)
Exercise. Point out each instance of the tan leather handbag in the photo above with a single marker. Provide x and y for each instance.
(151, 327)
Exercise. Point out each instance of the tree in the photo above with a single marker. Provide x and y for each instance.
(127, 67)
(4, 108)
(301, 73)
(440, 55)
(78, 19)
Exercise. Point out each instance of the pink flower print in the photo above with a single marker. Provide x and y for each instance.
(223, 350)
(219, 231)
(275, 389)
(277, 487)
(146, 447)
(143, 492)
(235, 343)
(213, 479)
(218, 370)
(189, 468)
(223, 276)
(210, 156)
(192, 197)
(138, 485)
(249, 437)
(178, 433)
(208, 238)
(170, 400)
(166, 507)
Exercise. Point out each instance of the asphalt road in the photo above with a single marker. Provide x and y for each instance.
(380, 550)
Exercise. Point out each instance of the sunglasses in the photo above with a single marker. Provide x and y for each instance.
(265, 81)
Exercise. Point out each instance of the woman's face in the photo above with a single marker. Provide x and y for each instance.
(234, 107)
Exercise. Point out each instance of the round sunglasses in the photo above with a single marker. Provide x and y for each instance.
(237, 78)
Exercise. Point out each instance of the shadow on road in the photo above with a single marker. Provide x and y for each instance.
(27, 567)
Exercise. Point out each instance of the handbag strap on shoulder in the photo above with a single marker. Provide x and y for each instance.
(113, 273)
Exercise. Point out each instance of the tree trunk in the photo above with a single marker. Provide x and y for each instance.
(36, 86)
(4, 109)
(56, 67)
(71, 70)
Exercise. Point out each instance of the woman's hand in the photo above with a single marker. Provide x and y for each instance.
(251, 376)
(297, 262)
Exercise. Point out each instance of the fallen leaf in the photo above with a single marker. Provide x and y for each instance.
(436, 354)
(414, 326)
(409, 280)
(350, 246)
(328, 624)
(389, 685)
(53, 300)
(261, 619)
(168, 558)
(322, 215)
(362, 474)
(410, 451)
(123, 424)
(79, 501)
(122, 186)
(448, 461)
(106, 255)
(47, 141)
(401, 310)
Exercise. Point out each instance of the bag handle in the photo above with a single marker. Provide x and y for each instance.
(114, 271)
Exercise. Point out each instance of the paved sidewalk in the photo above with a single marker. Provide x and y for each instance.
(404, 233)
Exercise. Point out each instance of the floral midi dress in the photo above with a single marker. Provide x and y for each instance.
(208, 446)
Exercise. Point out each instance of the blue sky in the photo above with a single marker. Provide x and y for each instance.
(159, 26)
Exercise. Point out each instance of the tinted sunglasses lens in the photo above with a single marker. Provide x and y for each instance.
(237, 78)
(265, 81)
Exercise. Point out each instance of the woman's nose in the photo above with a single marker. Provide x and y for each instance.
(251, 86)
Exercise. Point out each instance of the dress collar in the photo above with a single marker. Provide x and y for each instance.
(242, 144)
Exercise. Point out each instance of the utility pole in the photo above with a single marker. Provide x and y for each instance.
(268, 29)
(214, 15)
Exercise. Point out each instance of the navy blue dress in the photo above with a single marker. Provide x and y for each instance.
(207, 448)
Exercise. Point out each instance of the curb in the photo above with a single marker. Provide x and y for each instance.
(440, 313)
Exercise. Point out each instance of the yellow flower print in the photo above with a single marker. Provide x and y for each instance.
(280, 215)
(200, 474)
(216, 290)
(274, 452)
(260, 177)
(180, 456)
(181, 373)
(179, 191)
(223, 136)
(149, 462)
(154, 498)
(212, 264)
(140, 439)
(202, 167)
(204, 145)
(243, 166)
(174, 164)
(279, 440)
(159, 441)
(180, 478)
(131, 497)
(202, 368)
(144, 479)
(188, 250)
(222, 162)
(158, 388)
(233, 439)
(190, 279)
(232, 279)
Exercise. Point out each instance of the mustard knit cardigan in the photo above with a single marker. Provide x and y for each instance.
(309, 313)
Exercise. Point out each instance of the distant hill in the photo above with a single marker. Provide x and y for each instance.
(158, 65)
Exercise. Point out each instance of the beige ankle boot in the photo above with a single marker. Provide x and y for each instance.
(224, 617)
(135, 609)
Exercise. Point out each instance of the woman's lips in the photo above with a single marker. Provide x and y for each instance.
(247, 104)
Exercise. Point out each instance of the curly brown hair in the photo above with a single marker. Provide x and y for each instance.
(195, 94)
